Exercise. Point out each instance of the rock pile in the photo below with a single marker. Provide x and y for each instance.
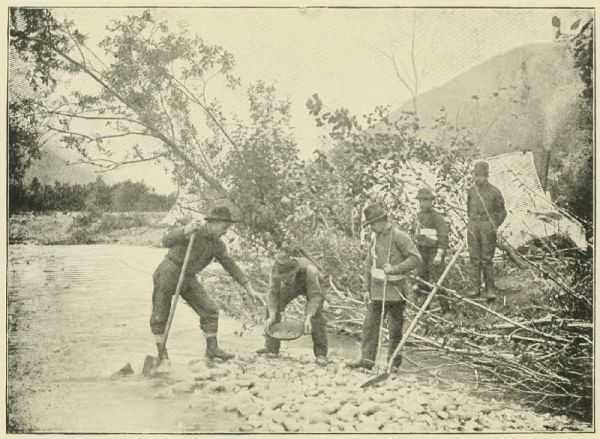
(288, 394)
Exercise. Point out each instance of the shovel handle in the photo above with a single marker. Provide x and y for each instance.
(425, 305)
(178, 289)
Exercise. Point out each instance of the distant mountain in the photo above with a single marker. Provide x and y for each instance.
(53, 167)
(524, 99)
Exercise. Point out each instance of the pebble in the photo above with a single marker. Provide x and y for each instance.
(291, 425)
(316, 428)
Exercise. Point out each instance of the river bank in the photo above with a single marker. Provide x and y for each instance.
(77, 314)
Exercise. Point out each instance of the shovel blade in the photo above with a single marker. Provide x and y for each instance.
(150, 365)
(373, 381)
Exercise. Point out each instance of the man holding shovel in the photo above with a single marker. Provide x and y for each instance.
(206, 246)
(292, 277)
(390, 257)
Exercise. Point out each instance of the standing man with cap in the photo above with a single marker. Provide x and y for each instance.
(292, 277)
(206, 247)
(390, 257)
(429, 231)
(486, 212)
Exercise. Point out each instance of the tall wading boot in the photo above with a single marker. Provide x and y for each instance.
(490, 285)
(213, 351)
(476, 281)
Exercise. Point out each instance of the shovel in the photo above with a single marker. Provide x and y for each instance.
(151, 362)
(384, 376)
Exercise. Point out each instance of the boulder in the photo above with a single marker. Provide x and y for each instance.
(123, 372)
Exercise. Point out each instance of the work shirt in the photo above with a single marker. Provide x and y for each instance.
(403, 257)
(205, 249)
(305, 282)
(429, 229)
(494, 204)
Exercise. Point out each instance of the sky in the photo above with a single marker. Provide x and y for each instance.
(337, 53)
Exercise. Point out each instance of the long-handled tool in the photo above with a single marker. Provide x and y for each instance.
(151, 362)
(413, 324)
(383, 302)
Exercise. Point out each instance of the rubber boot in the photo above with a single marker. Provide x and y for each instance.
(490, 285)
(213, 351)
(476, 281)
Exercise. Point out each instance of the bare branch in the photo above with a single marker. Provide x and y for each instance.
(111, 165)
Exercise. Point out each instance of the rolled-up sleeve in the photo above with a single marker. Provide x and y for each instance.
(229, 264)
(410, 253)
(314, 296)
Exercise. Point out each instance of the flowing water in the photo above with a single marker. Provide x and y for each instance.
(77, 314)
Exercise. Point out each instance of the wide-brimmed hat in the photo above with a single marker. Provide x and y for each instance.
(425, 194)
(481, 168)
(220, 214)
(285, 267)
(373, 213)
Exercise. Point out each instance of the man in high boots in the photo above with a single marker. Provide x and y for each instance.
(391, 255)
(290, 278)
(429, 231)
(207, 245)
(486, 212)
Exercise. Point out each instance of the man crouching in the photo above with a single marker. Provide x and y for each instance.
(292, 277)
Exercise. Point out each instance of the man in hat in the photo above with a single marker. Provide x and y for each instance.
(429, 231)
(390, 257)
(207, 245)
(292, 277)
(486, 212)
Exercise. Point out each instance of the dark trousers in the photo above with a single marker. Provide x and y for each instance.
(165, 280)
(481, 239)
(395, 312)
(431, 272)
(319, 327)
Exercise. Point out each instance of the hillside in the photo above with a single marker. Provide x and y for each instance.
(522, 99)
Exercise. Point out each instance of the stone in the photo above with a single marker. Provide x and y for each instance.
(316, 417)
(347, 412)
(255, 421)
(216, 387)
(123, 372)
(183, 387)
(203, 376)
(275, 403)
(291, 425)
(246, 428)
(316, 428)
(392, 427)
(368, 426)
(240, 399)
(443, 415)
(368, 408)
(273, 428)
(196, 366)
(331, 407)
(248, 409)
